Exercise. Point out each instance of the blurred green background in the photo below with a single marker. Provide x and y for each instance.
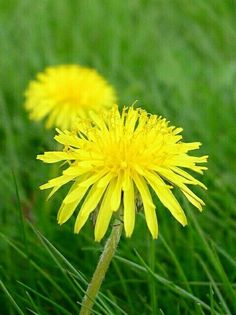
(178, 59)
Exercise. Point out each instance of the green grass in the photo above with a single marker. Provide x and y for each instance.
(178, 59)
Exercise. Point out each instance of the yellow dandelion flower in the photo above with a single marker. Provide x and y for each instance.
(62, 93)
(116, 158)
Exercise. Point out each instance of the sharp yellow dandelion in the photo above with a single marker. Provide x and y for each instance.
(64, 92)
(119, 157)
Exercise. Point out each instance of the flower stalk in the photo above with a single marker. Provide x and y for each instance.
(102, 267)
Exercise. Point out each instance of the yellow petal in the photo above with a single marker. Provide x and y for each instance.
(53, 191)
(69, 139)
(90, 203)
(188, 176)
(116, 197)
(71, 201)
(177, 130)
(131, 120)
(76, 170)
(126, 180)
(98, 120)
(57, 181)
(93, 179)
(179, 182)
(103, 181)
(149, 207)
(57, 156)
(129, 209)
(198, 203)
(104, 214)
(191, 145)
(66, 211)
(76, 192)
(166, 197)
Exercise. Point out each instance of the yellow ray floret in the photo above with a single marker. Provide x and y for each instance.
(116, 158)
(63, 93)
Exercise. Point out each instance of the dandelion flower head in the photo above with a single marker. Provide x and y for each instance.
(119, 157)
(62, 93)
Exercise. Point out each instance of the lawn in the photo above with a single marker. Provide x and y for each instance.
(177, 59)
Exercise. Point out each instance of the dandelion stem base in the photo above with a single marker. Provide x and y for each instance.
(101, 269)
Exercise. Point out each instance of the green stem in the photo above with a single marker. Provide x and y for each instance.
(102, 267)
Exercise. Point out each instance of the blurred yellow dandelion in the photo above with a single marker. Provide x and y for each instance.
(64, 92)
(115, 159)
